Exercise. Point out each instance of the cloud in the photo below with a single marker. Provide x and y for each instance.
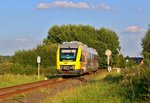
(23, 40)
(133, 29)
(70, 4)
(63, 4)
(102, 6)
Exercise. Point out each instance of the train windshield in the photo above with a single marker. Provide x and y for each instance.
(68, 54)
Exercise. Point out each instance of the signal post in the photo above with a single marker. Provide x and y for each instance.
(38, 61)
(108, 54)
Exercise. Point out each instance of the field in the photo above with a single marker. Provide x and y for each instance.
(11, 80)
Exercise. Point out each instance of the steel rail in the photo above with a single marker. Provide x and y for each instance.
(14, 90)
(24, 88)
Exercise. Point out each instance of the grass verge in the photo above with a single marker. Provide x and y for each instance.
(7, 80)
(101, 90)
(131, 86)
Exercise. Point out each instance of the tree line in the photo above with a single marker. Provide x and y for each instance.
(101, 39)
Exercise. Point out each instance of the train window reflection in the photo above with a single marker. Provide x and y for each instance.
(68, 54)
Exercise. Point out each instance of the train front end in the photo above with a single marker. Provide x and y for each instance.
(68, 59)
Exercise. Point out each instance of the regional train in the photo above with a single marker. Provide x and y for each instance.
(76, 58)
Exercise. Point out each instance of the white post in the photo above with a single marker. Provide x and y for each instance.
(38, 61)
(108, 54)
(108, 61)
(38, 70)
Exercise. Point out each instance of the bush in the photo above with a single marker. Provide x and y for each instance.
(24, 62)
(48, 54)
(119, 61)
(5, 68)
(136, 84)
(25, 57)
(20, 69)
(49, 71)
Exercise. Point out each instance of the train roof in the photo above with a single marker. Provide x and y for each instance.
(76, 44)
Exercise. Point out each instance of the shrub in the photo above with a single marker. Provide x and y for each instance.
(25, 57)
(136, 84)
(5, 68)
(25, 60)
(49, 71)
(18, 68)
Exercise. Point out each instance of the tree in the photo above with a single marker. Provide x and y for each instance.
(100, 39)
(146, 45)
(119, 61)
(25, 60)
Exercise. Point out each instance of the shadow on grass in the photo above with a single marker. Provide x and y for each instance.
(65, 76)
(53, 76)
(113, 79)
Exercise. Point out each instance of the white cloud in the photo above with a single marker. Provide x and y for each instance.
(70, 4)
(63, 4)
(23, 40)
(134, 29)
(102, 6)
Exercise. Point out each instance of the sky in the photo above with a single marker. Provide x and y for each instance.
(25, 23)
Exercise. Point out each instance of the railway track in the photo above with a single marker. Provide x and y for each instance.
(14, 90)
(24, 88)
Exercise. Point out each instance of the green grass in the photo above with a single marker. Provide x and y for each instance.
(101, 90)
(128, 87)
(93, 93)
(7, 80)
